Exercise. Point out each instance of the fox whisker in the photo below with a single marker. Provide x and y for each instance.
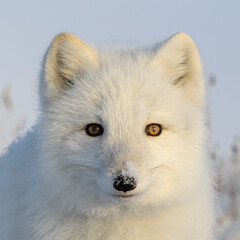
(80, 166)
(161, 167)
(77, 165)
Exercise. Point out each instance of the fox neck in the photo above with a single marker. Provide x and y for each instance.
(152, 226)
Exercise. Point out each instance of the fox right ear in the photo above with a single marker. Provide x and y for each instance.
(178, 62)
(67, 57)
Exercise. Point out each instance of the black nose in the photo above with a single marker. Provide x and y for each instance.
(124, 183)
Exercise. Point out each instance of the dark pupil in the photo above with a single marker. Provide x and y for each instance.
(153, 129)
(95, 129)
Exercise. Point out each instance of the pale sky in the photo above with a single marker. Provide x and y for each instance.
(27, 27)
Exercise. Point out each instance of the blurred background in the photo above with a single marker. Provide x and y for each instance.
(27, 28)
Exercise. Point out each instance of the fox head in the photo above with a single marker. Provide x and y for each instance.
(122, 128)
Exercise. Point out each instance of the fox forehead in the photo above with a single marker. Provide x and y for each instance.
(125, 83)
(121, 97)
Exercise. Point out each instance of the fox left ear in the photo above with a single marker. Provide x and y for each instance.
(66, 57)
(178, 61)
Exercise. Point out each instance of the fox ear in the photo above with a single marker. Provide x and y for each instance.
(178, 62)
(67, 57)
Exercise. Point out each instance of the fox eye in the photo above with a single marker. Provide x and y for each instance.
(153, 129)
(94, 129)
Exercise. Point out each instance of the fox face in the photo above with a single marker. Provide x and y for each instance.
(123, 129)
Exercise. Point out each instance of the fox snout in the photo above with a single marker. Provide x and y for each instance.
(124, 183)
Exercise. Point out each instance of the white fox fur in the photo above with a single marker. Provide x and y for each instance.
(56, 183)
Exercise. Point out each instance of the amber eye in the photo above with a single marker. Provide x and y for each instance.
(94, 129)
(153, 129)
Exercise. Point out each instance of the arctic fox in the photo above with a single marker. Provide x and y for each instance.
(119, 149)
